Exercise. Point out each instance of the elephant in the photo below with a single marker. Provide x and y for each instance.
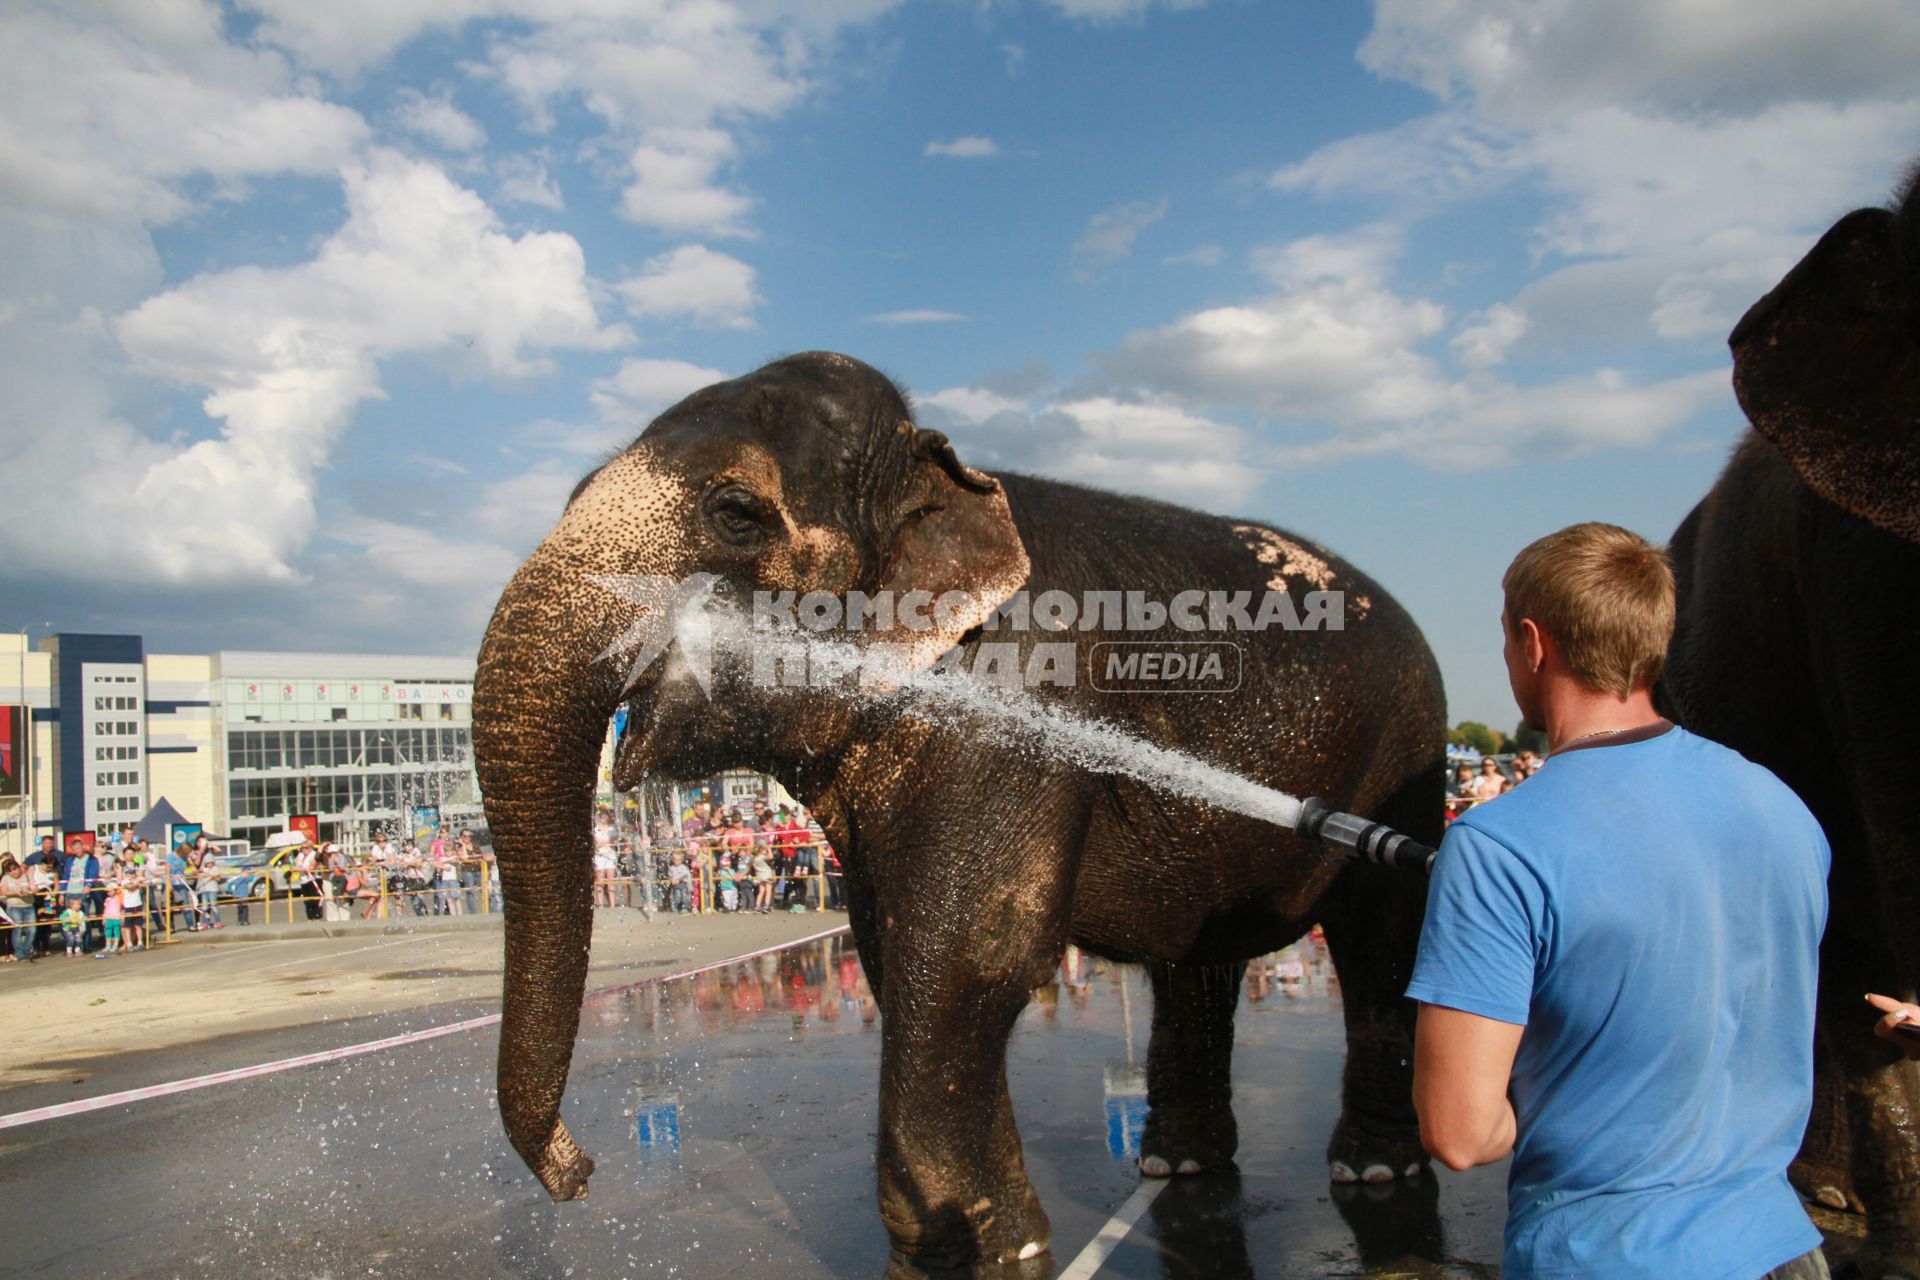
(1798, 629)
(969, 865)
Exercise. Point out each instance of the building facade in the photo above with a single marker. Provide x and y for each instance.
(239, 742)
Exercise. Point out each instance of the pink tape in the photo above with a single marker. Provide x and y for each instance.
(81, 1106)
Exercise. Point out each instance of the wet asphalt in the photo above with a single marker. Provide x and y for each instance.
(732, 1118)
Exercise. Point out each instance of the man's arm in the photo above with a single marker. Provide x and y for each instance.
(1461, 1064)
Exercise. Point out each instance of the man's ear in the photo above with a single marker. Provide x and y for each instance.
(1533, 643)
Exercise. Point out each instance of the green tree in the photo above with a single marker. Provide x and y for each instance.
(1471, 733)
(1525, 739)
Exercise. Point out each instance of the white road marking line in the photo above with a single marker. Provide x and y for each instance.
(1108, 1238)
(81, 1106)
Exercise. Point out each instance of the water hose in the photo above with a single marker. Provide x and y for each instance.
(1362, 837)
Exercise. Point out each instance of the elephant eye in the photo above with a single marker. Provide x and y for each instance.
(737, 515)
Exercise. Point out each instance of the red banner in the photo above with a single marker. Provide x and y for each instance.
(307, 824)
(15, 751)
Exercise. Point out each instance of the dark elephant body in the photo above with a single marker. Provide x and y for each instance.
(1796, 645)
(972, 858)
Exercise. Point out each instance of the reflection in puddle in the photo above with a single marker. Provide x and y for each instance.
(656, 1125)
(734, 1115)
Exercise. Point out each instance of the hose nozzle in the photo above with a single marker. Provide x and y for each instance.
(1373, 841)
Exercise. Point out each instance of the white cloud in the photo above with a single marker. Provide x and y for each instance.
(624, 404)
(1526, 61)
(971, 404)
(921, 316)
(421, 557)
(643, 387)
(1333, 341)
(520, 510)
(524, 180)
(1441, 157)
(1484, 344)
(286, 355)
(696, 283)
(438, 121)
(1497, 424)
(1117, 10)
(1363, 256)
(1111, 233)
(674, 186)
(106, 112)
(1138, 445)
(964, 148)
(1206, 255)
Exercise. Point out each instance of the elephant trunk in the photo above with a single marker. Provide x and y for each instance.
(541, 704)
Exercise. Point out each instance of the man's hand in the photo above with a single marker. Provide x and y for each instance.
(1901, 1025)
(1461, 1065)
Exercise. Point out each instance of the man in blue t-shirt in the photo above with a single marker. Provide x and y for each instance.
(1617, 970)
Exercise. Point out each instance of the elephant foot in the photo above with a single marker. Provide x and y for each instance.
(1824, 1184)
(1186, 1140)
(997, 1232)
(905, 1266)
(1361, 1153)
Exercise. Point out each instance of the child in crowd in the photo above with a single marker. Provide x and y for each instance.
(73, 925)
(112, 925)
(132, 908)
(729, 894)
(679, 885)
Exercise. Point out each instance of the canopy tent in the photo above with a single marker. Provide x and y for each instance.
(153, 827)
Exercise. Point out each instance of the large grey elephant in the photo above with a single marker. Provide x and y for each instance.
(1798, 644)
(970, 864)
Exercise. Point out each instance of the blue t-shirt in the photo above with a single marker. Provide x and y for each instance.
(1651, 912)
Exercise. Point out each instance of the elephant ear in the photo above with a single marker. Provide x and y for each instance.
(958, 536)
(1827, 367)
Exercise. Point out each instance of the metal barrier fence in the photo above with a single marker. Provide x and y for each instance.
(388, 891)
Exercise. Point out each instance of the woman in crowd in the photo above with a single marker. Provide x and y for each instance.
(606, 868)
(16, 893)
(333, 884)
(447, 875)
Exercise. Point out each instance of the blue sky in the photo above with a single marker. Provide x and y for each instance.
(310, 315)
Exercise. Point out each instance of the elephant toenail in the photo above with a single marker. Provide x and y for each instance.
(1031, 1249)
(1155, 1167)
(1340, 1172)
(1189, 1166)
(1376, 1173)
(1413, 1170)
(1831, 1197)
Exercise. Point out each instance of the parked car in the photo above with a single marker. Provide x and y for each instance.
(255, 873)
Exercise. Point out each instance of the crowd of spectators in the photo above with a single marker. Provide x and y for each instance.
(123, 894)
(759, 858)
(107, 900)
(1472, 782)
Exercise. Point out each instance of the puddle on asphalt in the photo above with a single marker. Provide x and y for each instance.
(732, 1115)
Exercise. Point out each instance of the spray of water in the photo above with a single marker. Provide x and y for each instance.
(967, 703)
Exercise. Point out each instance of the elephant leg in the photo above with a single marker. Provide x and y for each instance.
(953, 1187)
(1823, 1170)
(1880, 1099)
(1190, 1126)
(1372, 921)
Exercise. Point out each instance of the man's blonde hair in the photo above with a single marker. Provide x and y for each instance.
(1605, 595)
